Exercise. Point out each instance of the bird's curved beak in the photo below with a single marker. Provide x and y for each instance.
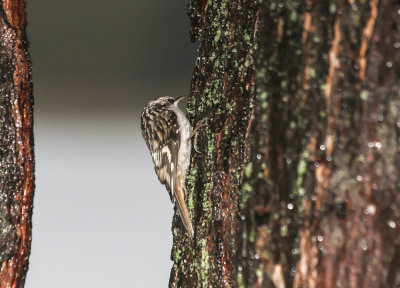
(176, 101)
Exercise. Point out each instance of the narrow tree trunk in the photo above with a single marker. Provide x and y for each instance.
(296, 180)
(16, 145)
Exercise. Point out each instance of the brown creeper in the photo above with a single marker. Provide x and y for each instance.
(167, 133)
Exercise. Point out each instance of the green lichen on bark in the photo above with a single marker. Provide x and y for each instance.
(288, 94)
(306, 188)
(222, 91)
(299, 162)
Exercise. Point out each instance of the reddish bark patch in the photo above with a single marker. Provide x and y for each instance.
(18, 206)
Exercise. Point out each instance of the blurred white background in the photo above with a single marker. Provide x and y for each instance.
(101, 218)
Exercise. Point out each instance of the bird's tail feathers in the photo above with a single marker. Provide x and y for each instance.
(180, 195)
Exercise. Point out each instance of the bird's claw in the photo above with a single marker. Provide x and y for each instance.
(194, 133)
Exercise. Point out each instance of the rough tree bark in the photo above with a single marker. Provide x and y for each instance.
(323, 177)
(296, 179)
(16, 145)
(222, 90)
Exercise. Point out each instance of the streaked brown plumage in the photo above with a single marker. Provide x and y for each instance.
(167, 132)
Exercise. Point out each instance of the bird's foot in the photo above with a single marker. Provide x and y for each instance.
(195, 132)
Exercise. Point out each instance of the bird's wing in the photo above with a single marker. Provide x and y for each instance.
(166, 143)
(165, 156)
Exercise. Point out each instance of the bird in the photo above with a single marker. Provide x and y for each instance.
(167, 133)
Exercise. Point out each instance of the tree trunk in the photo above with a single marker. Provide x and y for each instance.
(296, 180)
(16, 145)
(324, 201)
(223, 91)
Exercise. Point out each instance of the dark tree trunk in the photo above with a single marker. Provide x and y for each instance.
(222, 90)
(296, 182)
(16, 145)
